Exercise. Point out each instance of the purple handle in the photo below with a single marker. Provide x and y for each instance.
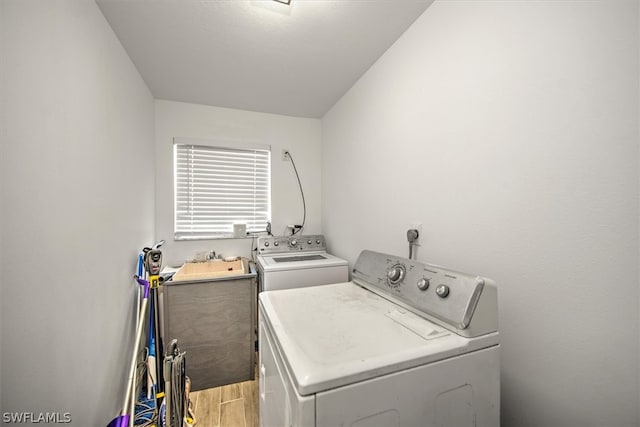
(121, 421)
(146, 285)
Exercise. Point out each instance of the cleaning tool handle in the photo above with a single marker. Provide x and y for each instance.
(120, 421)
(146, 285)
(136, 346)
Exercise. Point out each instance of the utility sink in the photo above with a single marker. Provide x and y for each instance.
(210, 307)
(209, 270)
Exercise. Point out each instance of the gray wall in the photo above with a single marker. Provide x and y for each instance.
(509, 129)
(2, 181)
(77, 205)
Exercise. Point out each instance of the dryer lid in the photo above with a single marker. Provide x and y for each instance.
(334, 335)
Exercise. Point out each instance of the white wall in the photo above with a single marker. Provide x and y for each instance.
(299, 135)
(77, 130)
(510, 130)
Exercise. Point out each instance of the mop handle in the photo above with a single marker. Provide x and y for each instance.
(136, 345)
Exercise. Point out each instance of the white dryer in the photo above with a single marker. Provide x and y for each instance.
(286, 262)
(403, 344)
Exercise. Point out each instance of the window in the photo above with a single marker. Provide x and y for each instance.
(216, 187)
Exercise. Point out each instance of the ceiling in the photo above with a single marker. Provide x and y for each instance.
(257, 55)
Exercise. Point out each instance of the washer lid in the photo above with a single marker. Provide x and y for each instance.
(299, 261)
(334, 335)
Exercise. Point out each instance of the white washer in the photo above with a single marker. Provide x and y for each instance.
(297, 261)
(403, 344)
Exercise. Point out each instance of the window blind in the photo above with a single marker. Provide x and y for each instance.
(216, 187)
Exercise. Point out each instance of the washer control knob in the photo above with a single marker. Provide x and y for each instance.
(266, 243)
(276, 243)
(309, 242)
(442, 291)
(423, 284)
(293, 242)
(396, 274)
(318, 242)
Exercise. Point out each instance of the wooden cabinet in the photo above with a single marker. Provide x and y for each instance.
(214, 322)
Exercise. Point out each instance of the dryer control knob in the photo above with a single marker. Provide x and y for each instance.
(266, 243)
(423, 284)
(318, 242)
(442, 291)
(293, 242)
(276, 243)
(309, 242)
(396, 274)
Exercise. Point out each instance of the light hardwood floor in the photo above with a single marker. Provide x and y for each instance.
(233, 405)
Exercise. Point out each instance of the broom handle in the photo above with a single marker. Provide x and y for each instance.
(136, 348)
